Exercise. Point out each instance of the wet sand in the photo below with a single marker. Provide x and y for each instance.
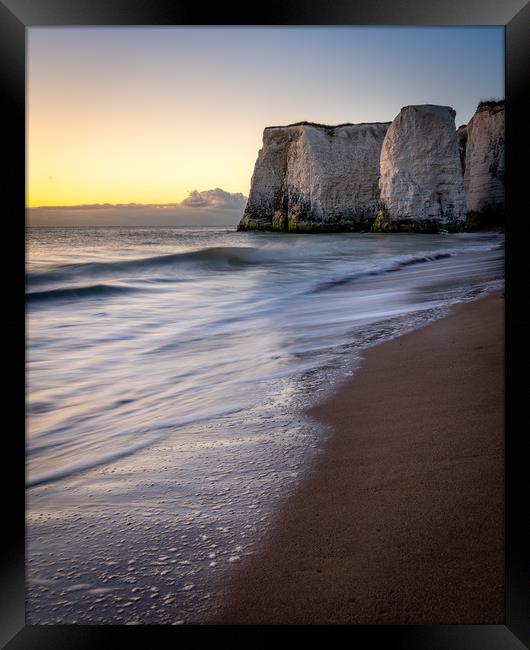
(401, 518)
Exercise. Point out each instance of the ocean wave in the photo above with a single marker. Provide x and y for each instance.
(76, 293)
(218, 257)
(388, 267)
(422, 259)
(238, 332)
(221, 258)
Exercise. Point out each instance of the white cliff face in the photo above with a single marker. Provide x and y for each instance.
(421, 179)
(311, 177)
(484, 159)
(417, 174)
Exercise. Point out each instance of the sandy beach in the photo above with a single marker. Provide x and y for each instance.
(401, 518)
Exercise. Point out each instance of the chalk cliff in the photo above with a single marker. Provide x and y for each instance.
(310, 177)
(421, 179)
(484, 163)
(417, 173)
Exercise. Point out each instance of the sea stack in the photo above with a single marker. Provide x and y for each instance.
(484, 156)
(316, 178)
(421, 180)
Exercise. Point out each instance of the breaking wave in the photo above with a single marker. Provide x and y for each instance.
(76, 293)
(217, 257)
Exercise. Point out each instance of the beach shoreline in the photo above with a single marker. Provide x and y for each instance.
(400, 520)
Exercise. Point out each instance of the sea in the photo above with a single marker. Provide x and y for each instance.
(168, 375)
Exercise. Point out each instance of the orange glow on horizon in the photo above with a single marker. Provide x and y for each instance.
(99, 161)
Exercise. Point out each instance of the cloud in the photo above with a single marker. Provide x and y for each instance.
(216, 198)
(209, 208)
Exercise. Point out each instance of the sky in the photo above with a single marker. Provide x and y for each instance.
(149, 115)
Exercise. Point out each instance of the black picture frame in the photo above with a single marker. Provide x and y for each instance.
(18, 15)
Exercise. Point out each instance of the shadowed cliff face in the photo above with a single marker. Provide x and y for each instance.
(416, 174)
(311, 177)
(484, 163)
